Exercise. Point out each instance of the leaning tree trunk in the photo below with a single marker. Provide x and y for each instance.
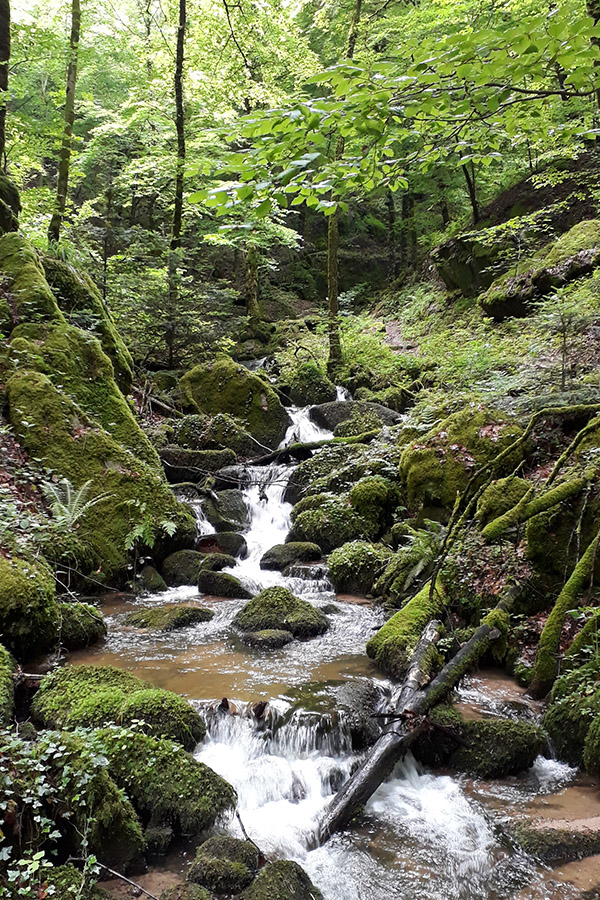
(65, 150)
(408, 719)
(179, 173)
(4, 59)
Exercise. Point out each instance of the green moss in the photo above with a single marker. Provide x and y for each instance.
(268, 639)
(93, 695)
(184, 566)
(331, 523)
(277, 608)
(28, 610)
(10, 205)
(438, 467)
(186, 892)
(529, 506)
(67, 883)
(170, 617)
(150, 581)
(77, 365)
(30, 296)
(282, 880)
(80, 299)
(575, 704)
(193, 465)
(495, 748)
(226, 387)
(500, 496)
(393, 644)
(375, 499)
(354, 567)
(7, 692)
(326, 461)
(585, 642)
(81, 625)
(282, 555)
(57, 432)
(224, 864)
(360, 423)
(308, 385)
(221, 584)
(166, 785)
(553, 846)
(591, 748)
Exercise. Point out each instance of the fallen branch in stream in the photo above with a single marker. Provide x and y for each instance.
(410, 704)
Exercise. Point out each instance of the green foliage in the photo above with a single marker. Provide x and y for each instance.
(68, 504)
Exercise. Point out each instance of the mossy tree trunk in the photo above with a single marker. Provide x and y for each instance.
(173, 299)
(65, 150)
(4, 58)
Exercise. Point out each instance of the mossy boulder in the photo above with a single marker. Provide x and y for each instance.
(326, 461)
(150, 581)
(29, 614)
(55, 430)
(282, 555)
(201, 432)
(500, 496)
(7, 691)
(282, 880)
(355, 566)
(558, 843)
(224, 865)
(193, 465)
(221, 584)
(29, 295)
(170, 617)
(186, 892)
(226, 511)
(331, 522)
(330, 415)
(268, 639)
(223, 386)
(392, 646)
(308, 385)
(229, 542)
(184, 566)
(375, 499)
(277, 608)
(496, 748)
(438, 466)
(10, 205)
(80, 299)
(81, 625)
(66, 882)
(96, 695)
(166, 785)
(360, 423)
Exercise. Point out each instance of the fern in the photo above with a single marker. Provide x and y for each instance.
(67, 503)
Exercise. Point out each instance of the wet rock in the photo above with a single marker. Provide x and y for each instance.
(202, 432)
(282, 880)
(229, 542)
(233, 477)
(150, 581)
(170, 617)
(226, 511)
(186, 892)
(183, 567)
(282, 555)
(216, 562)
(268, 639)
(555, 841)
(220, 584)
(277, 608)
(329, 415)
(224, 865)
(81, 625)
(192, 465)
(308, 384)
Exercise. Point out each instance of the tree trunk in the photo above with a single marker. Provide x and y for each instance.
(4, 58)
(408, 721)
(391, 241)
(470, 179)
(178, 207)
(333, 237)
(65, 150)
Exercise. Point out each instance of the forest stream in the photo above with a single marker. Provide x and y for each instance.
(426, 835)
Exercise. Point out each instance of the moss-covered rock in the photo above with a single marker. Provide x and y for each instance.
(10, 205)
(223, 386)
(360, 423)
(355, 566)
(96, 695)
(29, 614)
(282, 555)
(393, 644)
(7, 692)
(226, 511)
(555, 844)
(330, 415)
(81, 625)
(224, 864)
(327, 460)
(186, 892)
(375, 499)
(495, 748)
(282, 880)
(30, 298)
(438, 466)
(202, 432)
(216, 562)
(66, 882)
(170, 617)
(500, 496)
(268, 639)
(80, 299)
(193, 465)
(166, 785)
(575, 704)
(58, 432)
(221, 584)
(150, 581)
(308, 385)
(229, 542)
(277, 608)
(184, 566)
(331, 523)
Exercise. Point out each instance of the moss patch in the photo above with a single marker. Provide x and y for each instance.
(277, 608)
(282, 880)
(224, 864)
(30, 296)
(355, 566)
(81, 625)
(330, 522)
(28, 611)
(7, 692)
(170, 617)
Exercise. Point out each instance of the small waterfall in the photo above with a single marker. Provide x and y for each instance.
(303, 430)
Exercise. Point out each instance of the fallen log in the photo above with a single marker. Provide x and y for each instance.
(409, 717)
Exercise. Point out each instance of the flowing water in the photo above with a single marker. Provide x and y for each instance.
(424, 835)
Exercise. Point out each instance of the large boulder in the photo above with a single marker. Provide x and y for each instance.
(329, 415)
(308, 385)
(223, 386)
(170, 617)
(228, 542)
(185, 566)
(281, 556)
(226, 511)
(29, 295)
(81, 625)
(224, 864)
(354, 567)
(29, 614)
(221, 584)
(282, 880)
(202, 432)
(330, 522)
(277, 608)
